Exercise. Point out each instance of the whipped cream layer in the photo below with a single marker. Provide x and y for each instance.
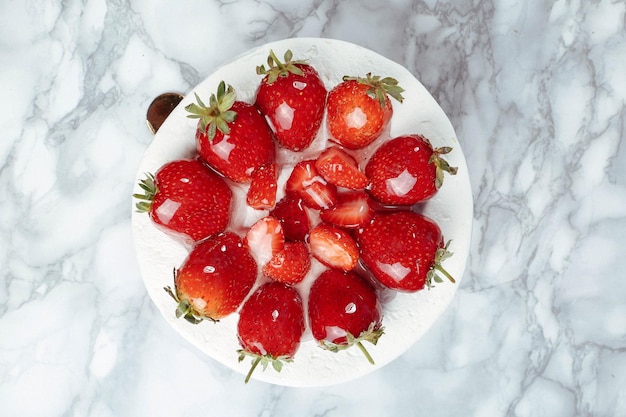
(406, 316)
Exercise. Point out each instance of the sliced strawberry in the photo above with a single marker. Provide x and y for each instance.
(352, 211)
(262, 192)
(265, 239)
(306, 183)
(339, 168)
(290, 212)
(333, 247)
(290, 265)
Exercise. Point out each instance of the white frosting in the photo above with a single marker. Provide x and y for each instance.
(406, 316)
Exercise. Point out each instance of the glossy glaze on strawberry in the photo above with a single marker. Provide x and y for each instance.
(293, 217)
(403, 250)
(263, 187)
(343, 311)
(354, 209)
(289, 265)
(186, 199)
(333, 247)
(340, 168)
(214, 279)
(306, 183)
(293, 97)
(270, 327)
(407, 170)
(359, 109)
(232, 136)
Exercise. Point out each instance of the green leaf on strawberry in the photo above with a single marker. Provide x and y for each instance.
(433, 274)
(276, 68)
(218, 114)
(371, 335)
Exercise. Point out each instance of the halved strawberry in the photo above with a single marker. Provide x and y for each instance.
(265, 239)
(339, 168)
(290, 265)
(290, 212)
(262, 192)
(352, 211)
(333, 247)
(306, 183)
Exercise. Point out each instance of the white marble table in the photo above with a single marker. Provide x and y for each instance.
(536, 91)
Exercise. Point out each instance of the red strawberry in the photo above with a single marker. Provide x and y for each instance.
(407, 170)
(353, 210)
(359, 109)
(265, 239)
(291, 214)
(333, 247)
(344, 311)
(271, 324)
(290, 265)
(186, 199)
(340, 168)
(306, 183)
(262, 192)
(292, 96)
(403, 250)
(232, 136)
(214, 279)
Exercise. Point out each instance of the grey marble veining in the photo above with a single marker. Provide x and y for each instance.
(536, 92)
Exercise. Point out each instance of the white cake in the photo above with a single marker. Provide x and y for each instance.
(406, 316)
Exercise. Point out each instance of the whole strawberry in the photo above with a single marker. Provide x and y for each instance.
(403, 250)
(186, 199)
(359, 109)
(343, 311)
(232, 136)
(292, 96)
(407, 170)
(214, 279)
(271, 324)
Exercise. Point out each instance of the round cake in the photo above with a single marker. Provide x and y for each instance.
(406, 316)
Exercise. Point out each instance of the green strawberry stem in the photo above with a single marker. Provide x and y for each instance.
(445, 273)
(380, 88)
(441, 165)
(218, 114)
(276, 68)
(264, 360)
(255, 362)
(184, 308)
(150, 189)
(440, 255)
(365, 352)
(372, 334)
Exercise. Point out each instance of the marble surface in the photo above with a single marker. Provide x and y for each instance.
(536, 92)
